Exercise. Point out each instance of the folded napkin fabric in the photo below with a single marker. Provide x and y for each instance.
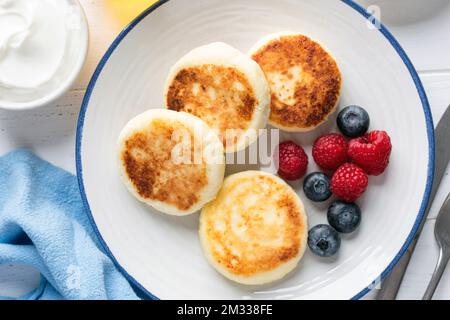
(43, 224)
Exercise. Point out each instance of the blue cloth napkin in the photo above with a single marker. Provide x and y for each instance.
(43, 224)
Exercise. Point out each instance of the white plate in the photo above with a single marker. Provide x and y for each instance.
(162, 254)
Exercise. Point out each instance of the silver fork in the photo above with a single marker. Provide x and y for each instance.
(442, 234)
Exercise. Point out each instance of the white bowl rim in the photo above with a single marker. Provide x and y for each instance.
(60, 90)
(395, 44)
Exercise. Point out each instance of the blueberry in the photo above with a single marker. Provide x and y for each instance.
(353, 121)
(323, 240)
(344, 217)
(317, 187)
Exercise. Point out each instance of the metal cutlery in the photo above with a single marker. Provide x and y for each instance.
(391, 285)
(442, 234)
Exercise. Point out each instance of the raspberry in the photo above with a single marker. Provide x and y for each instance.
(349, 182)
(371, 152)
(293, 161)
(330, 151)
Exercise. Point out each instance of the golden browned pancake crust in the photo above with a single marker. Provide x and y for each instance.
(147, 159)
(242, 238)
(315, 94)
(220, 96)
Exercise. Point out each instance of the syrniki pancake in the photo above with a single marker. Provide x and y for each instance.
(304, 79)
(171, 160)
(255, 231)
(223, 87)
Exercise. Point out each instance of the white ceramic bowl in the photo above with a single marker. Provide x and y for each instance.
(162, 254)
(77, 60)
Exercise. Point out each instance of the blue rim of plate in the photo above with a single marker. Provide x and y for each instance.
(395, 45)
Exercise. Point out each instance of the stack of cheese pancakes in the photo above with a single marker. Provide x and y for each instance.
(253, 226)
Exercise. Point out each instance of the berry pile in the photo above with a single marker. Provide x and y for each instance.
(347, 160)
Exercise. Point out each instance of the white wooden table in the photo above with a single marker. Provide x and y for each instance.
(422, 27)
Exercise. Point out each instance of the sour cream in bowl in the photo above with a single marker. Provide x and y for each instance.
(43, 46)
